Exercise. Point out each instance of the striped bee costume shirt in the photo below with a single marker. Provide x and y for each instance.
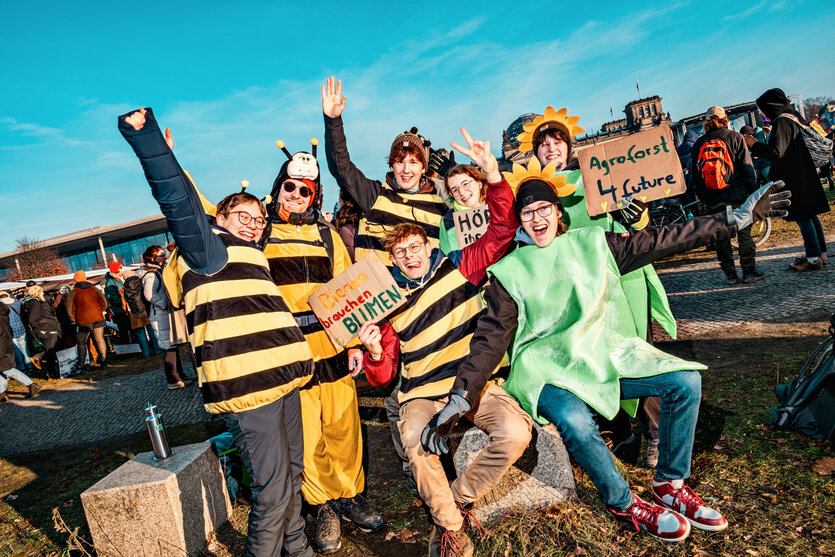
(299, 264)
(435, 327)
(248, 348)
(392, 208)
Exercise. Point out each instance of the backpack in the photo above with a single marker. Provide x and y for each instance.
(137, 304)
(715, 164)
(819, 146)
(807, 402)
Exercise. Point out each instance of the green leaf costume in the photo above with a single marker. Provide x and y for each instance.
(576, 328)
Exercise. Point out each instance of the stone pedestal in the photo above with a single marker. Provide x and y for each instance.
(159, 508)
(541, 477)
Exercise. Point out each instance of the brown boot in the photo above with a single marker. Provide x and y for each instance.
(3, 397)
(33, 390)
(450, 543)
(806, 265)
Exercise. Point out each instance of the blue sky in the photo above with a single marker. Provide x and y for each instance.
(231, 78)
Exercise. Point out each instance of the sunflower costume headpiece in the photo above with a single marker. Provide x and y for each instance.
(534, 171)
(552, 119)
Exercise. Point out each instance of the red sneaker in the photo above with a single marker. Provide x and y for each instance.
(659, 522)
(686, 502)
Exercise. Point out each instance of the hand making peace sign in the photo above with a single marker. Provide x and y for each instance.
(479, 152)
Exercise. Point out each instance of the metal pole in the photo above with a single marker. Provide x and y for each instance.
(103, 253)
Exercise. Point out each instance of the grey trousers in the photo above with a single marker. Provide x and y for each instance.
(272, 446)
(393, 413)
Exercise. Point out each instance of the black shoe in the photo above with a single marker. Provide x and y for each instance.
(357, 510)
(85, 367)
(753, 276)
(733, 278)
(328, 534)
(103, 365)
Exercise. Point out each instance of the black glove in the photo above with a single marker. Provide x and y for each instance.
(437, 430)
(635, 213)
(763, 203)
(441, 161)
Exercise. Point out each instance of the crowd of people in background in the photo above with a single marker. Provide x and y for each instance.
(560, 282)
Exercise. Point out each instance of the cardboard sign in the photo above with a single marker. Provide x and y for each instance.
(470, 224)
(642, 166)
(366, 291)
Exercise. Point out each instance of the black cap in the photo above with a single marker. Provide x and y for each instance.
(532, 191)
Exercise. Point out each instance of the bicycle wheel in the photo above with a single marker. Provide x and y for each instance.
(759, 232)
(664, 216)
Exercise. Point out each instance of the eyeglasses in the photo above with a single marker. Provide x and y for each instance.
(245, 218)
(544, 211)
(465, 184)
(290, 186)
(414, 247)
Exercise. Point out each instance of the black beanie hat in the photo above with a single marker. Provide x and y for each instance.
(532, 191)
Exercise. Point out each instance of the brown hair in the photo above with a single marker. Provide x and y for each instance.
(348, 213)
(402, 231)
(474, 173)
(556, 133)
(152, 253)
(399, 151)
(241, 198)
(714, 123)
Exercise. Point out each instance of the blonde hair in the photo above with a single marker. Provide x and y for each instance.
(36, 292)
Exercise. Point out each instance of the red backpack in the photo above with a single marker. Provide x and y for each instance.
(715, 164)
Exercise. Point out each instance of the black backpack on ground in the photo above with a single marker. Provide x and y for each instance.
(807, 402)
(137, 303)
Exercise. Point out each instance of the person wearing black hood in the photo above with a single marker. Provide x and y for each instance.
(792, 163)
(304, 252)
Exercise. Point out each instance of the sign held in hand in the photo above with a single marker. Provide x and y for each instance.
(643, 166)
(365, 291)
(470, 224)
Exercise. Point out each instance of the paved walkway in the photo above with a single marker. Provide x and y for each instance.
(85, 412)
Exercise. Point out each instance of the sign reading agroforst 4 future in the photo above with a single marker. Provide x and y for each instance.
(641, 166)
(366, 291)
(470, 224)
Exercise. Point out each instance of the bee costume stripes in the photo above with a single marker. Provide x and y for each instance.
(251, 356)
(305, 252)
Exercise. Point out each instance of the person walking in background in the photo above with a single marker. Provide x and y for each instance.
(722, 174)
(137, 306)
(59, 304)
(792, 163)
(7, 357)
(346, 219)
(87, 307)
(114, 282)
(154, 293)
(18, 332)
(39, 317)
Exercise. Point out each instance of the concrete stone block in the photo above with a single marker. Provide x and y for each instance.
(160, 508)
(541, 477)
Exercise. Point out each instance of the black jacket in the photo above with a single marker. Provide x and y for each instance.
(790, 160)
(6, 345)
(744, 179)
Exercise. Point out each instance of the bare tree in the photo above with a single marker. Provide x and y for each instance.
(814, 104)
(35, 260)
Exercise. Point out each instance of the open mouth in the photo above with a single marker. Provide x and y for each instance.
(539, 230)
(246, 235)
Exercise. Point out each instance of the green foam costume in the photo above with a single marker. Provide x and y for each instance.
(576, 328)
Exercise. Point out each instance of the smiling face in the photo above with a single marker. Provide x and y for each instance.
(293, 201)
(413, 264)
(553, 149)
(465, 189)
(407, 172)
(541, 229)
(232, 221)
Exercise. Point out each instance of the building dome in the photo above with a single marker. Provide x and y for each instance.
(515, 128)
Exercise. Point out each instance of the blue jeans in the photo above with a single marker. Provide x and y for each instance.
(15, 374)
(813, 238)
(680, 393)
(21, 353)
(143, 334)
